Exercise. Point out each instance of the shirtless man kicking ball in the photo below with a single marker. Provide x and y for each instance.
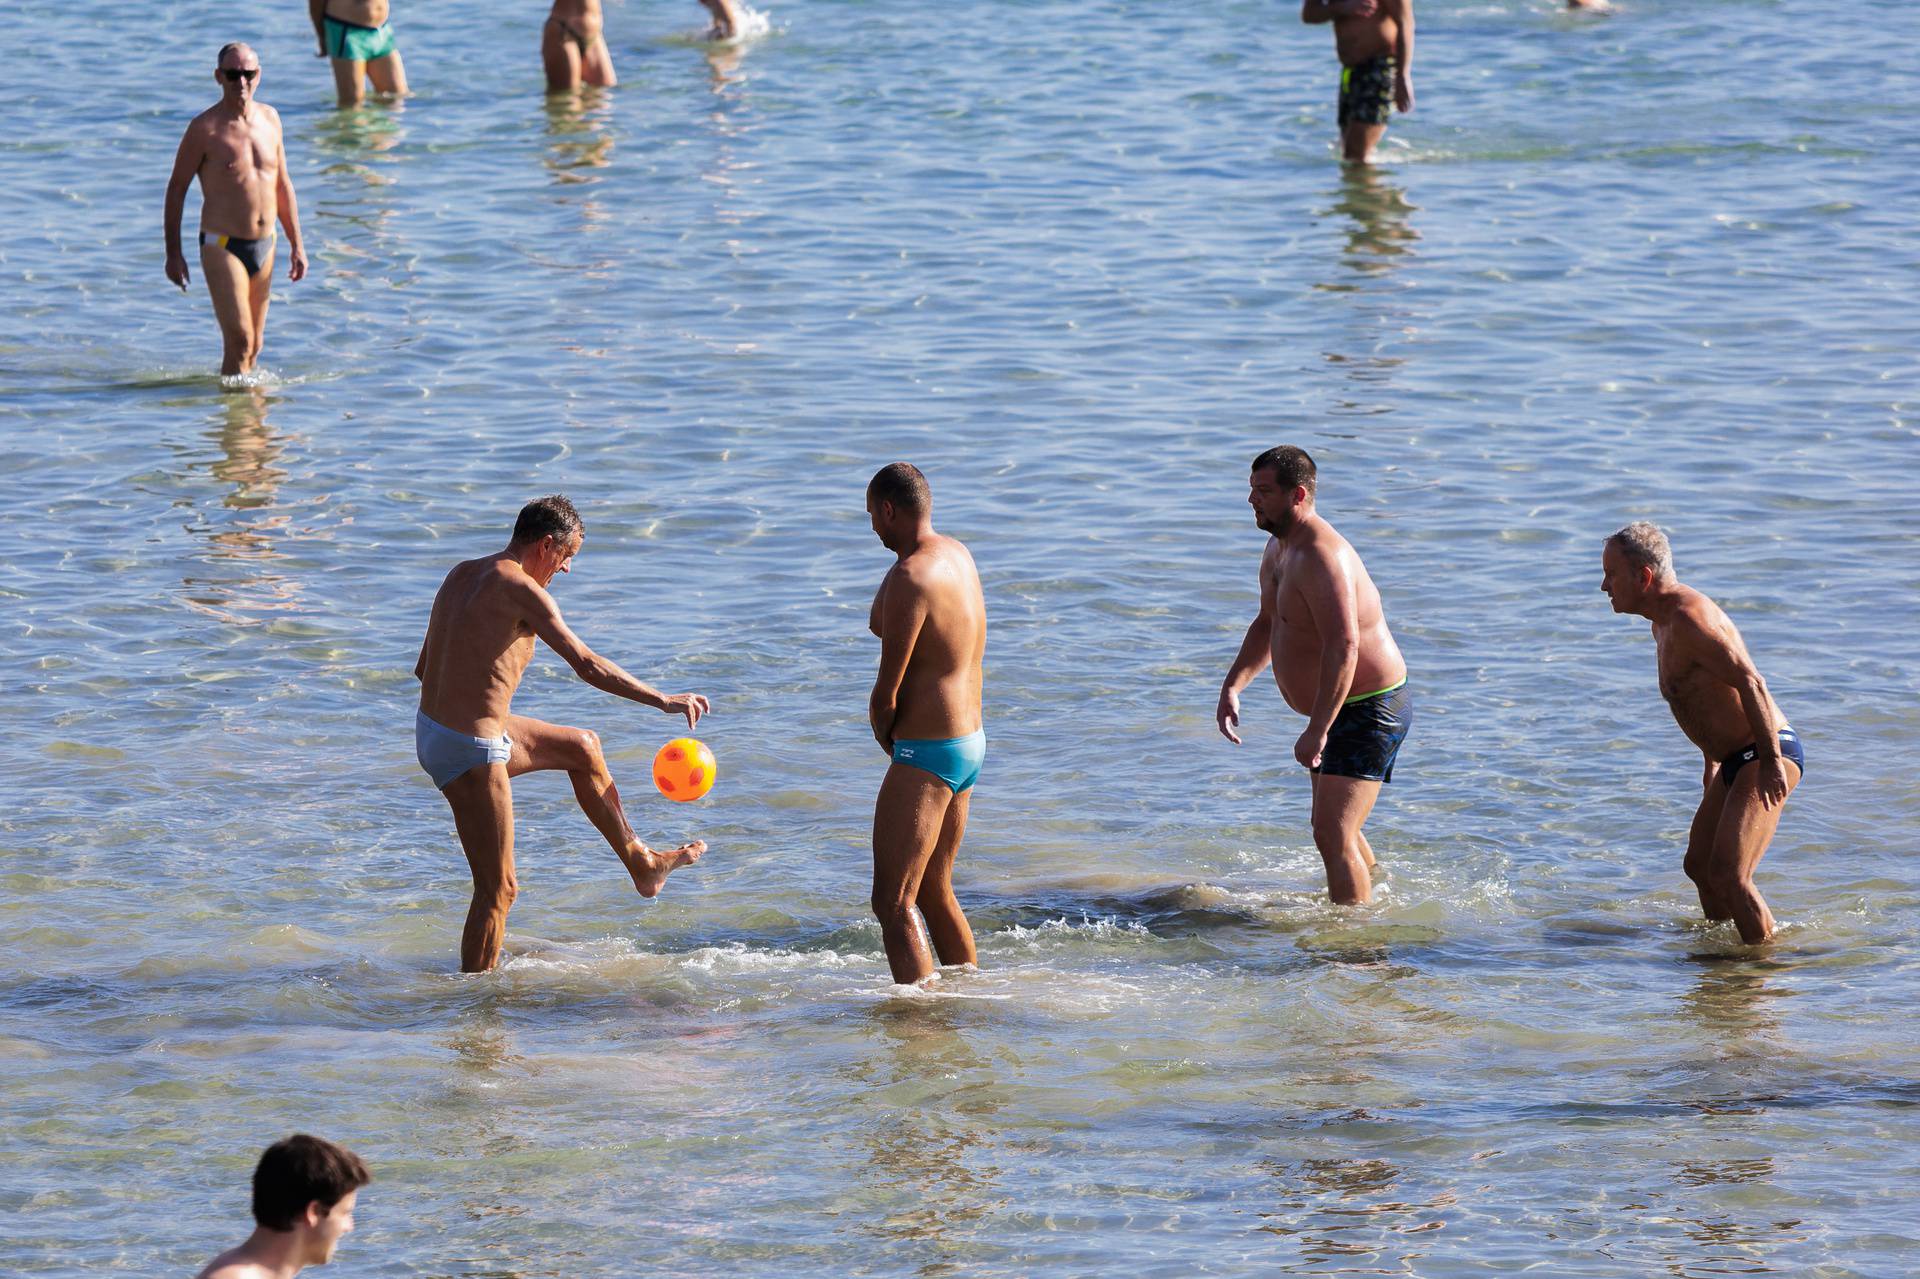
(931, 618)
(1752, 758)
(479, 641)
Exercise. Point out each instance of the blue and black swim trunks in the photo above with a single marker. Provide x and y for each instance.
(1790, 748)
(1367, 733)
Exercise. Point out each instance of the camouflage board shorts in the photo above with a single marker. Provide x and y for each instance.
(1366, 92)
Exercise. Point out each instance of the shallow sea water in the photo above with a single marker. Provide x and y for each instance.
(1080, 263)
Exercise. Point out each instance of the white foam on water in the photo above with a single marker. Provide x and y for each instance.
(534, 954)
(754, 25)
(1055, 931)
(259, 379)
(739, 958)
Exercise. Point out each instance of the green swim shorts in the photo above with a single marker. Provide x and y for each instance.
(1366, 91)
(351, 42)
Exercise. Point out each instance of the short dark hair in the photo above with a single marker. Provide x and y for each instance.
(1292, 465)
(298, 1171)
(902, 484)
(220, 58)
(552, 514)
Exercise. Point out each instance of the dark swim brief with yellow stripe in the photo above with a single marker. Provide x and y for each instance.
(252, 253)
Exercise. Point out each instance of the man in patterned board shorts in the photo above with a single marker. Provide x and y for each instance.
(1323, 629)
(1374, 39)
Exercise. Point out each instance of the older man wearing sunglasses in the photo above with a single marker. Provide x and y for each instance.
(234, 148)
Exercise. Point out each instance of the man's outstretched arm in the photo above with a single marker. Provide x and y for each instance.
(544, 616)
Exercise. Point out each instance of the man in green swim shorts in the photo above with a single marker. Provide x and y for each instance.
(355, 34)
(931, 618)
(1374, 39)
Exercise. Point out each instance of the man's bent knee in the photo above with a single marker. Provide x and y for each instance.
(890, 907)
(588, 744)
(499, 893)
(1728, 884)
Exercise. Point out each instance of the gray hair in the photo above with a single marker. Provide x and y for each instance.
(1646, 546)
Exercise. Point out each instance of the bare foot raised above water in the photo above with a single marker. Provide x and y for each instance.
(650, 868)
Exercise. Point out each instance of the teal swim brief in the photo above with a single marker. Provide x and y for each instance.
(351, 42)
(954, 760)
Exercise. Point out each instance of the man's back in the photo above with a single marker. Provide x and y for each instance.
(940, 692)
(478, 645)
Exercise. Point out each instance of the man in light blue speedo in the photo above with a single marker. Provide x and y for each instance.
(931, 618)
(480, 637)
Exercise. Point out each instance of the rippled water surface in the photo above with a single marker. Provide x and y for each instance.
(1079, 262)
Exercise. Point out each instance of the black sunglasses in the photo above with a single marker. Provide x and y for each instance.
(235, 75)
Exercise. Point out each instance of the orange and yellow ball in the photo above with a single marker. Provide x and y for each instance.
(683, 769)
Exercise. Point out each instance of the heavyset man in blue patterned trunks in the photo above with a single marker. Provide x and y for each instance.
(1322, 626)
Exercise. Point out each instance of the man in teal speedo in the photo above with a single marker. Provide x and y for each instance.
(1374, 39)
(931, 617)
(356, 36)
